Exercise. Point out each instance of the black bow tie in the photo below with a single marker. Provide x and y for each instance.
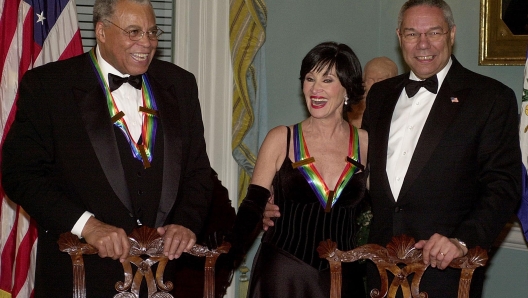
(430, 84)
(116, 81)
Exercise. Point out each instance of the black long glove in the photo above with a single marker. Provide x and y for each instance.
(247, 222)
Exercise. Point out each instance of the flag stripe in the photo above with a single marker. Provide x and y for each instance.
(74, 47)
(9, 247)
(23, 263)
(28, 45)
(8, 25)
(10, 71)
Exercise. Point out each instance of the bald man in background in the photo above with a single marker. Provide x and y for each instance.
(377, 69)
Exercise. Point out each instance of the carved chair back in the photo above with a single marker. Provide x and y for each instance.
(145, 242)
(402, 260)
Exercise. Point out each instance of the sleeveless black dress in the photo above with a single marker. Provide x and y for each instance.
(287, 263)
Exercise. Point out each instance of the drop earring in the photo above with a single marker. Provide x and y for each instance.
(346, 100)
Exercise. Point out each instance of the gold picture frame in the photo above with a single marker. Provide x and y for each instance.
(498, 45)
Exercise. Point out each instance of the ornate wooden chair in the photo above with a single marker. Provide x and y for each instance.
(144, 242)
(402, 260)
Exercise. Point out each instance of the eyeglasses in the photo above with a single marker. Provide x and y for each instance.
(136, 34)
(414, 37)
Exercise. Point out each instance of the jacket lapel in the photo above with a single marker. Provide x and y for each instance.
(169, 112)
(445, 108)
(96, 118)
(384, 123)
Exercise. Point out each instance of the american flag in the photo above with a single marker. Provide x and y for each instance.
(32, 33)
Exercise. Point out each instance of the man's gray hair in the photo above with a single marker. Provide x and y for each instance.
(448, 15)
(105, 9)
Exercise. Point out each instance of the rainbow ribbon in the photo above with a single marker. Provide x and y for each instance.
(142, 151)
(306, 166)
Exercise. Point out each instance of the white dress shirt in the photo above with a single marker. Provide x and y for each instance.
(127, 98)
(408, 120)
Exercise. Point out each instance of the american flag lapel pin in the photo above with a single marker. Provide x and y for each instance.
(454, 99)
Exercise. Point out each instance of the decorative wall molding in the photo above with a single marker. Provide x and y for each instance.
(201, 46)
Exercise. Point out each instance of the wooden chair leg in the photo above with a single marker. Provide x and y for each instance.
(210, 261)
(209, 280)
(465, 282)
(79, 285)
(336, 279)
(70, 244)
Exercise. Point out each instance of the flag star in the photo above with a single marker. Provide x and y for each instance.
(41, 17)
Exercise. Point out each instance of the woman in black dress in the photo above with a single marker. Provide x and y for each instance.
(316, 171)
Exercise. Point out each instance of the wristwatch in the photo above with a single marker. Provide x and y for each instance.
(461, 242)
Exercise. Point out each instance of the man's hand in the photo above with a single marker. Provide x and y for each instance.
(177, 239)
(270, 211)
(439, 250)
(110, 241)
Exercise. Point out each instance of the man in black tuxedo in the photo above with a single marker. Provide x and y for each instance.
(98, 155)
(445, 163)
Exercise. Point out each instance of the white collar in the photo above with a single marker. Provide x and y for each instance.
(106, 67)
(440, 75)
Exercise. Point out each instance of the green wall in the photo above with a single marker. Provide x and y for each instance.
(507, 275)
(368, 26)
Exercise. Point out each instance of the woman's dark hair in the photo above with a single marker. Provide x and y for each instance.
(326, 55)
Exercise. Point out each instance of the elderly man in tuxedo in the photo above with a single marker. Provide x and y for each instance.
(444, 157)
(104, 142)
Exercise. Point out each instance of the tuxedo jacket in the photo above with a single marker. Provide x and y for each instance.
(61, 158)
(464, 178)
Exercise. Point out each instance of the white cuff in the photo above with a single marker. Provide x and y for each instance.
(81, 222)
